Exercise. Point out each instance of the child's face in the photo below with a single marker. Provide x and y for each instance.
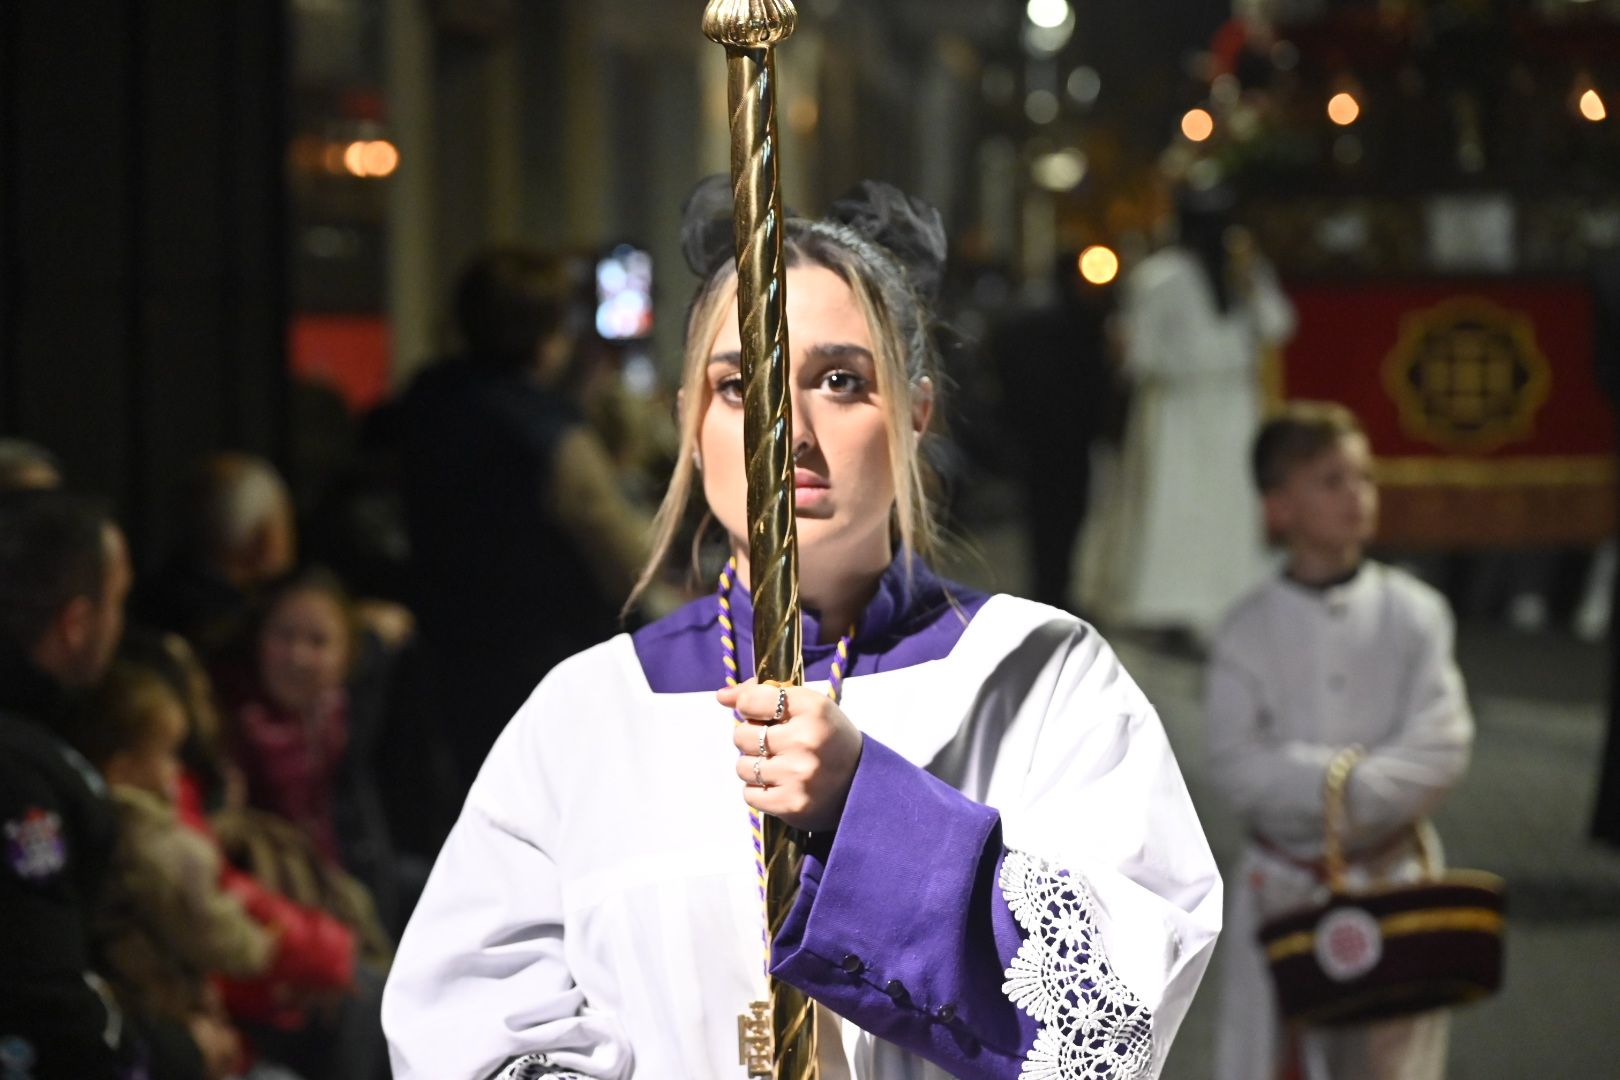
(154, 766)
(304, 649)
(1329, 502)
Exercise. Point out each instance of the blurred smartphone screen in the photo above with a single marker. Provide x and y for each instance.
(624, 309)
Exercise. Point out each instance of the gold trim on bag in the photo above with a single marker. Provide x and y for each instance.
(1459, 919)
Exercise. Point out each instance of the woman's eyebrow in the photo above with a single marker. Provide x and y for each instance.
(730, 359)
(833, 350)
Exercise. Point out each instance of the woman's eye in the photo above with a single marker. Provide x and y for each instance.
(730, 388)
(844, 382)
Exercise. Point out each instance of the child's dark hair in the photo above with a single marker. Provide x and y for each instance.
(122, 714)
(1298, 432)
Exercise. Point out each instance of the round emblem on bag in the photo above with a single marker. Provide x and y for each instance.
(1348, 944)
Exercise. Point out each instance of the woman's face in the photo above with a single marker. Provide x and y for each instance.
(844, 489)
(304, 649)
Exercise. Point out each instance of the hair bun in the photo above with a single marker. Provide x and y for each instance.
(909, 228)
(706, 237)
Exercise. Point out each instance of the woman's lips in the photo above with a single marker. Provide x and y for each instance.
(808, 488)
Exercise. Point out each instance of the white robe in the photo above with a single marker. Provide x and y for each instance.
(1295, 676)
(1183, 538)
(596, 901)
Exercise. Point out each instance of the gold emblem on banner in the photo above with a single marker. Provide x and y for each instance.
(1468, 375)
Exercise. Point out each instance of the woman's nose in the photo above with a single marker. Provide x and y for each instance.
(804, 429)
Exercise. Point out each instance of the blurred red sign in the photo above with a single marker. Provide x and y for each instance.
(349, 353)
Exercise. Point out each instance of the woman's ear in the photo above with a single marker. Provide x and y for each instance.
(922, 404)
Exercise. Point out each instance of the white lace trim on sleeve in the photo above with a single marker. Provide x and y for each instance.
(536, 1067)
(1092, 1026)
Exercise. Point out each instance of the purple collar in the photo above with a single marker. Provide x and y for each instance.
(906, 622)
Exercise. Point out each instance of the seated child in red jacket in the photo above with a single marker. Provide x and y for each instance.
(316, 951)
(164, 925)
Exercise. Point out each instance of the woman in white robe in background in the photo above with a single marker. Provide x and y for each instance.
(1182, 540)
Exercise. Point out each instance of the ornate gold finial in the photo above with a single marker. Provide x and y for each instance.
(749, 24)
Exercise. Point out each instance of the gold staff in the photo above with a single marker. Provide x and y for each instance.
(749, 29)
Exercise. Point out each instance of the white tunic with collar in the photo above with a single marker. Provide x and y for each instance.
(596, 902)
(1295, 676)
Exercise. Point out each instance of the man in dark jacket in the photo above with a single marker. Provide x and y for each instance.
(1058, 397)
(523, 548)
(64, 574)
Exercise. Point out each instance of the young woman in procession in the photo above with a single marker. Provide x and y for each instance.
(1003, 871)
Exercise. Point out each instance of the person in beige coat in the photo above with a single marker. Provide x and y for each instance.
(1337, 652)
(164, 924)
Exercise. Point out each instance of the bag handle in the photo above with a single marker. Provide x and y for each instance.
(1336, 824)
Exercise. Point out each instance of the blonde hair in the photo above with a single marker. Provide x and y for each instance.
(903, 354)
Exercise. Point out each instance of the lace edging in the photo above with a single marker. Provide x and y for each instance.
(1092, 1025)
(536, 1067)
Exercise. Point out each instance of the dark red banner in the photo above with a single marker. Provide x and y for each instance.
(1475, 369)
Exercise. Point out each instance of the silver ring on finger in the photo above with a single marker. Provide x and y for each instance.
(758, 764)
(781, 704)
(764, 751)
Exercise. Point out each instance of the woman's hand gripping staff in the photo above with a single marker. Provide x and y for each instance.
(798, 752)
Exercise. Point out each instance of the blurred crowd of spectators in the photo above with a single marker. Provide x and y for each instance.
(218, 817)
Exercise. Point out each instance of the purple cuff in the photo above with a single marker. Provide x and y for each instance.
(900, 924)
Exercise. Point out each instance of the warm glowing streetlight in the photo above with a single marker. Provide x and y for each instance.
(1592, 106)
(379, 158)
(1343, 109)
(354, 158)
(1099, 265)
(1197, 125)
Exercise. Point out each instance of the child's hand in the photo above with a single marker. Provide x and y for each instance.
(219, 1044)
(811, 753)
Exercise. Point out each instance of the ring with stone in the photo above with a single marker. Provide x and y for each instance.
(764, 751)
(781, 704)
(758, 763)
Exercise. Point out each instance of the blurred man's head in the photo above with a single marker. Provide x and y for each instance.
(64, 576)
(237, 520)
(26, 466)
(518, 311)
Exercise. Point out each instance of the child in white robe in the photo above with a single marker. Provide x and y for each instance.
(1336, 652)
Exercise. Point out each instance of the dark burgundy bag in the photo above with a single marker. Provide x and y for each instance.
(1389, 950)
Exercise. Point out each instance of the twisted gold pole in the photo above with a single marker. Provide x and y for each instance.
(749, 29)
